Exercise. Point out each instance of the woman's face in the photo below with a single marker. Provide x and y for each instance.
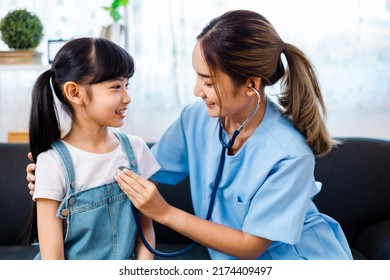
(232, 99)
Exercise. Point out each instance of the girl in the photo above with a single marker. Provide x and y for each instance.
(74, 174)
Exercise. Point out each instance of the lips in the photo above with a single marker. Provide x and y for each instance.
(121, 112)
(209, 104)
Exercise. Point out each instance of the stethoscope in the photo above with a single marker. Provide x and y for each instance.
(218, 176)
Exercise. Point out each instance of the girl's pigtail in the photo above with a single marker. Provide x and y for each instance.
(44, 129)
(44, 126)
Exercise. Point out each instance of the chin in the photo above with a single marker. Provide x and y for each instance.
(212, 113)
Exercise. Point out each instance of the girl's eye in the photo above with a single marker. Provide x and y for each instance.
(116, 86)
(127, 86)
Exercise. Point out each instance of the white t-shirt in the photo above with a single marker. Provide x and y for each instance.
(91, 170)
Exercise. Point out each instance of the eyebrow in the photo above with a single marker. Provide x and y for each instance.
(203, 75)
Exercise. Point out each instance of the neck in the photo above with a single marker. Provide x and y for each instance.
(94, 141)
(248, 120)
(232, 124)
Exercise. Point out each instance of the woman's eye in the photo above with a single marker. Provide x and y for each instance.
(208, 84)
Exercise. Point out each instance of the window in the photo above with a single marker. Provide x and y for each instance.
(348, 41)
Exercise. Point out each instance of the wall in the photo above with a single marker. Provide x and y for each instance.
(348, 42)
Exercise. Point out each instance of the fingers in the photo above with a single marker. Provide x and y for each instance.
(130, 186)
(141, 181)
(30, 169)
(30, 157)
(30, 177)
(30, 172)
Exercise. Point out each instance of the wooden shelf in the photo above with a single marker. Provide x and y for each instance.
(18, 137)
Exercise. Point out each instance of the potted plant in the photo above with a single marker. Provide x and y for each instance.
(22, 32)
(116, 31)
(114, 8)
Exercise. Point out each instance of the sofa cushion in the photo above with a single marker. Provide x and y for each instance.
(15, 201)
(374, 241)
(18, 252)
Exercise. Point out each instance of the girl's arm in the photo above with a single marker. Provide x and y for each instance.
(149, 201)
(50, 230)
(141, 252)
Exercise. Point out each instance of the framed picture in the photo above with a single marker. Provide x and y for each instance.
(53, 46)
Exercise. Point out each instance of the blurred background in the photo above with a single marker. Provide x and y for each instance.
(348, 42)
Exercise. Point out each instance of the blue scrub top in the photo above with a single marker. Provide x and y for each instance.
(266, 188)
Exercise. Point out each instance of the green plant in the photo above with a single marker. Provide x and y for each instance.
(114, 8)
(20, 29)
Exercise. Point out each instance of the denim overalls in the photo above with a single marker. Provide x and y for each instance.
(99, 221)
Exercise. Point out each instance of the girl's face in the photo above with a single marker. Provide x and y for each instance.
(107, 103)
(233, 100)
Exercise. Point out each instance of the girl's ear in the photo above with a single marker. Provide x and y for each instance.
(72, 93)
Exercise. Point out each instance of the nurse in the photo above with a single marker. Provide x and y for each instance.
(257, 156)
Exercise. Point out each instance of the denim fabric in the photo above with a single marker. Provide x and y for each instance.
(99, 221)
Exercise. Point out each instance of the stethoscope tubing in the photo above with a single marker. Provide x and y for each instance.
(218, 176)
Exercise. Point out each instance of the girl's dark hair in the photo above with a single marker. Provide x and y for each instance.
(84, 61)
(244, 44)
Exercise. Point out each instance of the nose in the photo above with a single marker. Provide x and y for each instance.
(198, 90)
(126, 97)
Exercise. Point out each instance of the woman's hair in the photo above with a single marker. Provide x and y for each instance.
(84, 61)
(244, 44)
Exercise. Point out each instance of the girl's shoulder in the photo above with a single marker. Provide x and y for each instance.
(49, 156)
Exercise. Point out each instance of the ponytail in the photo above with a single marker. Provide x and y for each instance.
(44, 126)
(303, 102)
(44, 129)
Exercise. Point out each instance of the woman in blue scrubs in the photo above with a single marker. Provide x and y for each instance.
(263, 152)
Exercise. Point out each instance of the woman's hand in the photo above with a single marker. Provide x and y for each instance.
(30, 170)
(143, 194)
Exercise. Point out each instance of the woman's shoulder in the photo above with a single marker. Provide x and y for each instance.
(283, 134)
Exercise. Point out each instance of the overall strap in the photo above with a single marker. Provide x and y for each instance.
(67, 164)
(133, 166)
(128, 149)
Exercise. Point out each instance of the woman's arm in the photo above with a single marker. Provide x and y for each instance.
(50, 231)
(149, 201)
(141, 252)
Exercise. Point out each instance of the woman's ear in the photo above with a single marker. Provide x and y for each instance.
(253, 82)
(72, 93)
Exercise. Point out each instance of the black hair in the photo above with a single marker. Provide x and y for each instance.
(84, 61)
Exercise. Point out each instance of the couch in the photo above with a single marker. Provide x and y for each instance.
(355, 191)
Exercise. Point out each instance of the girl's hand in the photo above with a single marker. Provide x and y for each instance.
(143, 194)
(30, 170)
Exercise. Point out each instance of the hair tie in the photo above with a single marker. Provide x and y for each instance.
(284, 47)
(51, 86)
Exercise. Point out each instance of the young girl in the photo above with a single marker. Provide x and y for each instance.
(81, 211)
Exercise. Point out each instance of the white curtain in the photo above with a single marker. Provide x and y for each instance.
(348, 41)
